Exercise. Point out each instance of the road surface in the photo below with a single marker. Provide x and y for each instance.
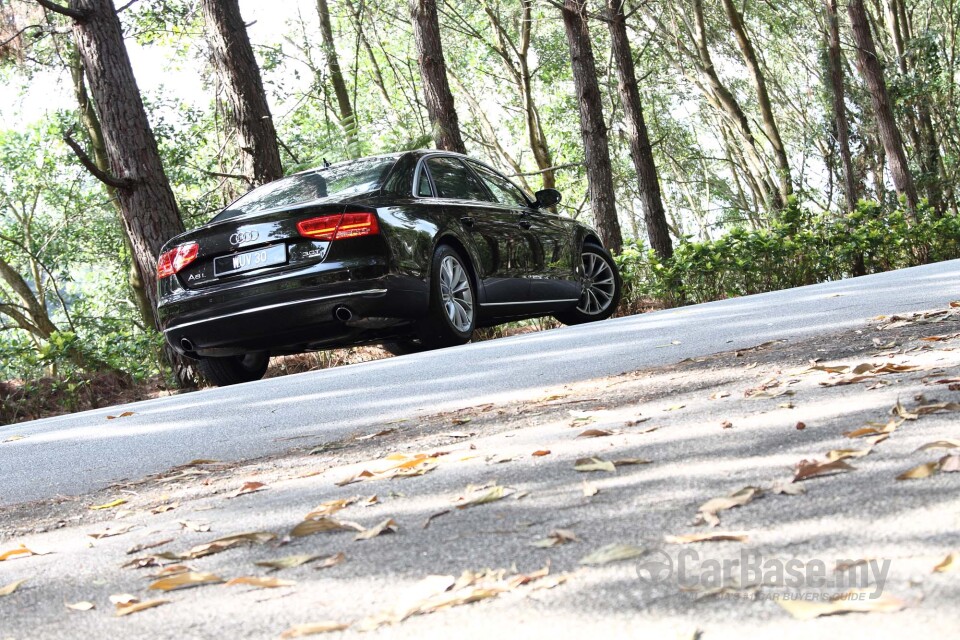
(73, 454)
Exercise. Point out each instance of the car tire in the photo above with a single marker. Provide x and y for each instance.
(234, 369)
(452, 315)
(601, 288)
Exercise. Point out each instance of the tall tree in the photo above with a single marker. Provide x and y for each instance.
(770, 127)
(515, 55)
(641, 151)
(240, 75)
(150, 214)
(149, 210)
(872, 72)
(593, 129)
(851, 191)
(348, 118)
(433, 72)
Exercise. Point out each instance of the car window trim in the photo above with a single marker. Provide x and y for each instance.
(489, 168)
(422, 166)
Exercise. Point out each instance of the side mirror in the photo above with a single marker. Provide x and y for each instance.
(547, 198)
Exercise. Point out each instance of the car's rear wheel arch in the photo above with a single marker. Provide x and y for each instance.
(454, 243)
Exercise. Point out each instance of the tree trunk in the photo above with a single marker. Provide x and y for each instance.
(150, 214)
(640, 149)
(883, 109)
(237, 67)
(517, 66)
(851, 191)
(348, 118)
(91, 123)
(763, 98)
(724, 100)
(433, 71)
(592, 126)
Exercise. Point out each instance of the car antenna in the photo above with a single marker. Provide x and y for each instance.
(326, 164)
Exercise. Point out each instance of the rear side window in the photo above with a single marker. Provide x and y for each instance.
(454, 180)
(503, 190)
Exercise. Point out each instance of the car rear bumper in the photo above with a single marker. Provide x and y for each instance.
(290, 318)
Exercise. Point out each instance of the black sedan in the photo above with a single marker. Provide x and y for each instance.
(413, 250)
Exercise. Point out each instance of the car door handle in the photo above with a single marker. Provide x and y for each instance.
(467, 221)
(525, 224)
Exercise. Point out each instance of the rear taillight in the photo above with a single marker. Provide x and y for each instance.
(174, 260)
(339, 227)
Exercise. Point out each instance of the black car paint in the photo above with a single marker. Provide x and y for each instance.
(524, 261)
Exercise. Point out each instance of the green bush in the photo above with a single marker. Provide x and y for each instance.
(798, 249)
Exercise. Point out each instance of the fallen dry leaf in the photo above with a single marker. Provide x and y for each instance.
(709, 510)
(134, 607)
(398, 465)
(10, 588)
(80, 606)
(109, 505)
(482, 495)
(950, 463)
(248, 487)
(853, 601)
(329, 508)
(378, 434)
(801, 426)
(125, 414)
(951, 562)
(629, 462)
(811, 468)
(387, 526)
(689, 538)
(595, 433)
(940, 444)
(148, 545)
(288, 562)
(163, 508)
(841, 454)
(109, 532)
(899, 410)
(184, 581)
(313, 628)
(594, 464)
(220, 544)
(322, 525)
(123, 598)
(927, 409)
(14, 438)
(430, 518)
(589, 490)
(441, 592)
(717, 395)
(259, 582)
(196, 527)
(612, 553)
(923, 471)
(540, 453)
(726, 424)
(556, 538)
(172, 570)
(19, 552)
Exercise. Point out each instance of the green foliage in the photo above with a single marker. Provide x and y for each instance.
(798, 249)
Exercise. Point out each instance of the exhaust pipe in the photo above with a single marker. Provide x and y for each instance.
(186, 345)
(343, 314)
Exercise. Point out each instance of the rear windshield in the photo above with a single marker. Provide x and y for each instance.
(345, 179)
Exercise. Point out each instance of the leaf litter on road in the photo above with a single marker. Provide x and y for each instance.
(10, 588)
(853, 601)
(708, 512)
(184, 581)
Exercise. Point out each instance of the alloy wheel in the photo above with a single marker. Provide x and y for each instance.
(456, 294)
(599, 284)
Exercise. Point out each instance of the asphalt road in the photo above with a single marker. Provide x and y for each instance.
(73, 454)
